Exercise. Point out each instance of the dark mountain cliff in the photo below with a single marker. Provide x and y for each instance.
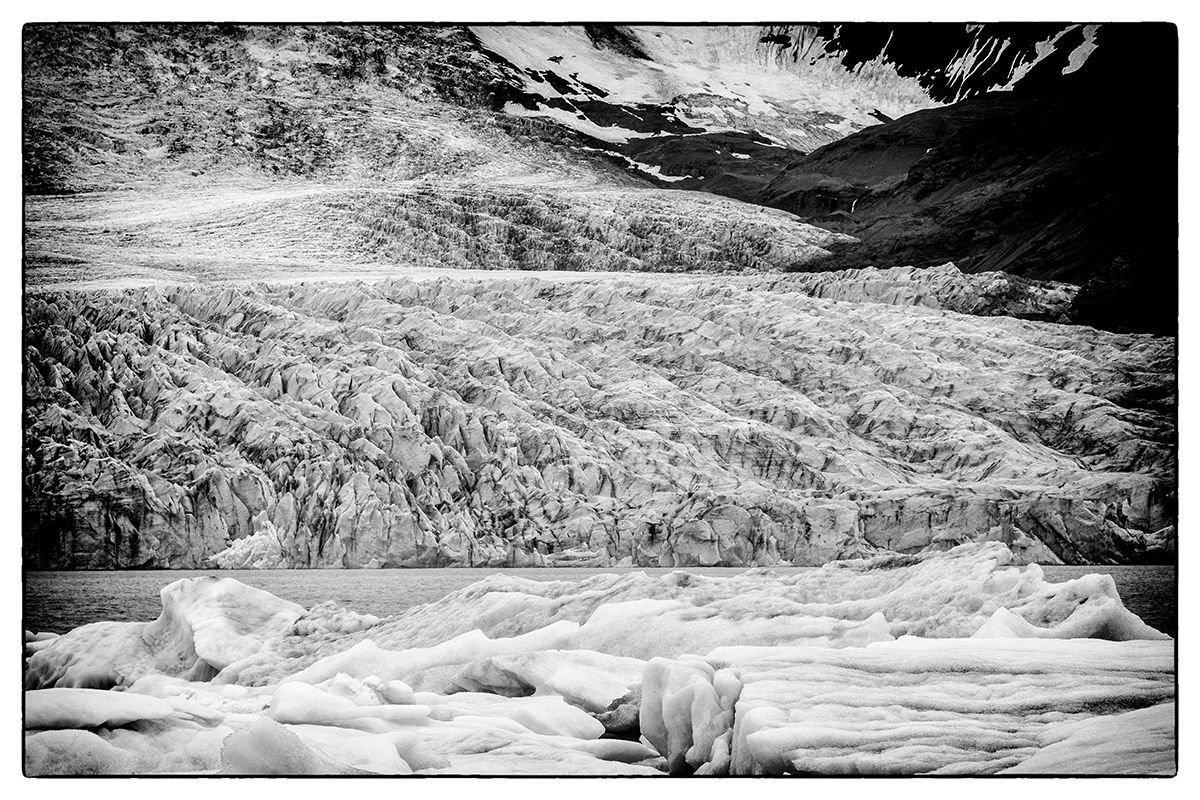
(1046, 181)
(1049, 179)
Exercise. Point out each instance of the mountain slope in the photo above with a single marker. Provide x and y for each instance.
(724, 108)
(287, 150)
(119, 106)
(1036, 182)
(288, 98)
(728, 110)
(1050, 199)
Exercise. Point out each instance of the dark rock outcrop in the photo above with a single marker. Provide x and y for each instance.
(1034, 182)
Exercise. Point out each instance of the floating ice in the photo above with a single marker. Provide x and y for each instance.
(206, 624)
(1138, 742)
(942, 663)
(682, 714)
(90, 708)
(74, 752)
(914, 706)
(300, 703)
(268, 748)
(844, 604)
(376, 753)
(584, 678)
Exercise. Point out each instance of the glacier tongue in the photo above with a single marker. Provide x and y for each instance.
(498, 421)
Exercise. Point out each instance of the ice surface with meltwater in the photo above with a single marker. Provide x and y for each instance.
(941, 663)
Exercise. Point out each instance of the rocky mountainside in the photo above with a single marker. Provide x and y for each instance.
(725, 108)
(939, 184)
(122, 106)
(1031, 182)
(179, 153)
(106, 105)
(519, 422)
(897, 135)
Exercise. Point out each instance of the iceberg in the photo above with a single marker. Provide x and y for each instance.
(584, 678)
(90, 708)
(944, 663)
(909, 707)
(267, 748)
(1136, 742)
(206, 624)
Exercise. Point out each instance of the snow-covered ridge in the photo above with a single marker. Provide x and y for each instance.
(805, 85)
(860, 667)
(570, 74)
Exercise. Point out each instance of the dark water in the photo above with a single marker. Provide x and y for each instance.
(59, 601)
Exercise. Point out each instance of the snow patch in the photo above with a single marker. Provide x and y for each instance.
(577, 122)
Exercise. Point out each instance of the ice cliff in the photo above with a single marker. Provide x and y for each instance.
(944, 663)
(737, 420)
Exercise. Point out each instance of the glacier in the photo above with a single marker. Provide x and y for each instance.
(464, 418)
(945, 662)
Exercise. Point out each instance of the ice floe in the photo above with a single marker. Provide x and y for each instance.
(956, 662)
(206, 624)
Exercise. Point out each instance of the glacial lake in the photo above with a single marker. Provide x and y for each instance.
(59, 600)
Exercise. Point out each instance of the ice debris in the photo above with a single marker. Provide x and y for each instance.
(954, 662)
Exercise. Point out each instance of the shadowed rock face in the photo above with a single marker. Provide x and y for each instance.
(1054, 196)
(737, 420)
(1037, 182)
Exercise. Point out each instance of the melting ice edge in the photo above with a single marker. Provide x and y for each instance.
(942, 663)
